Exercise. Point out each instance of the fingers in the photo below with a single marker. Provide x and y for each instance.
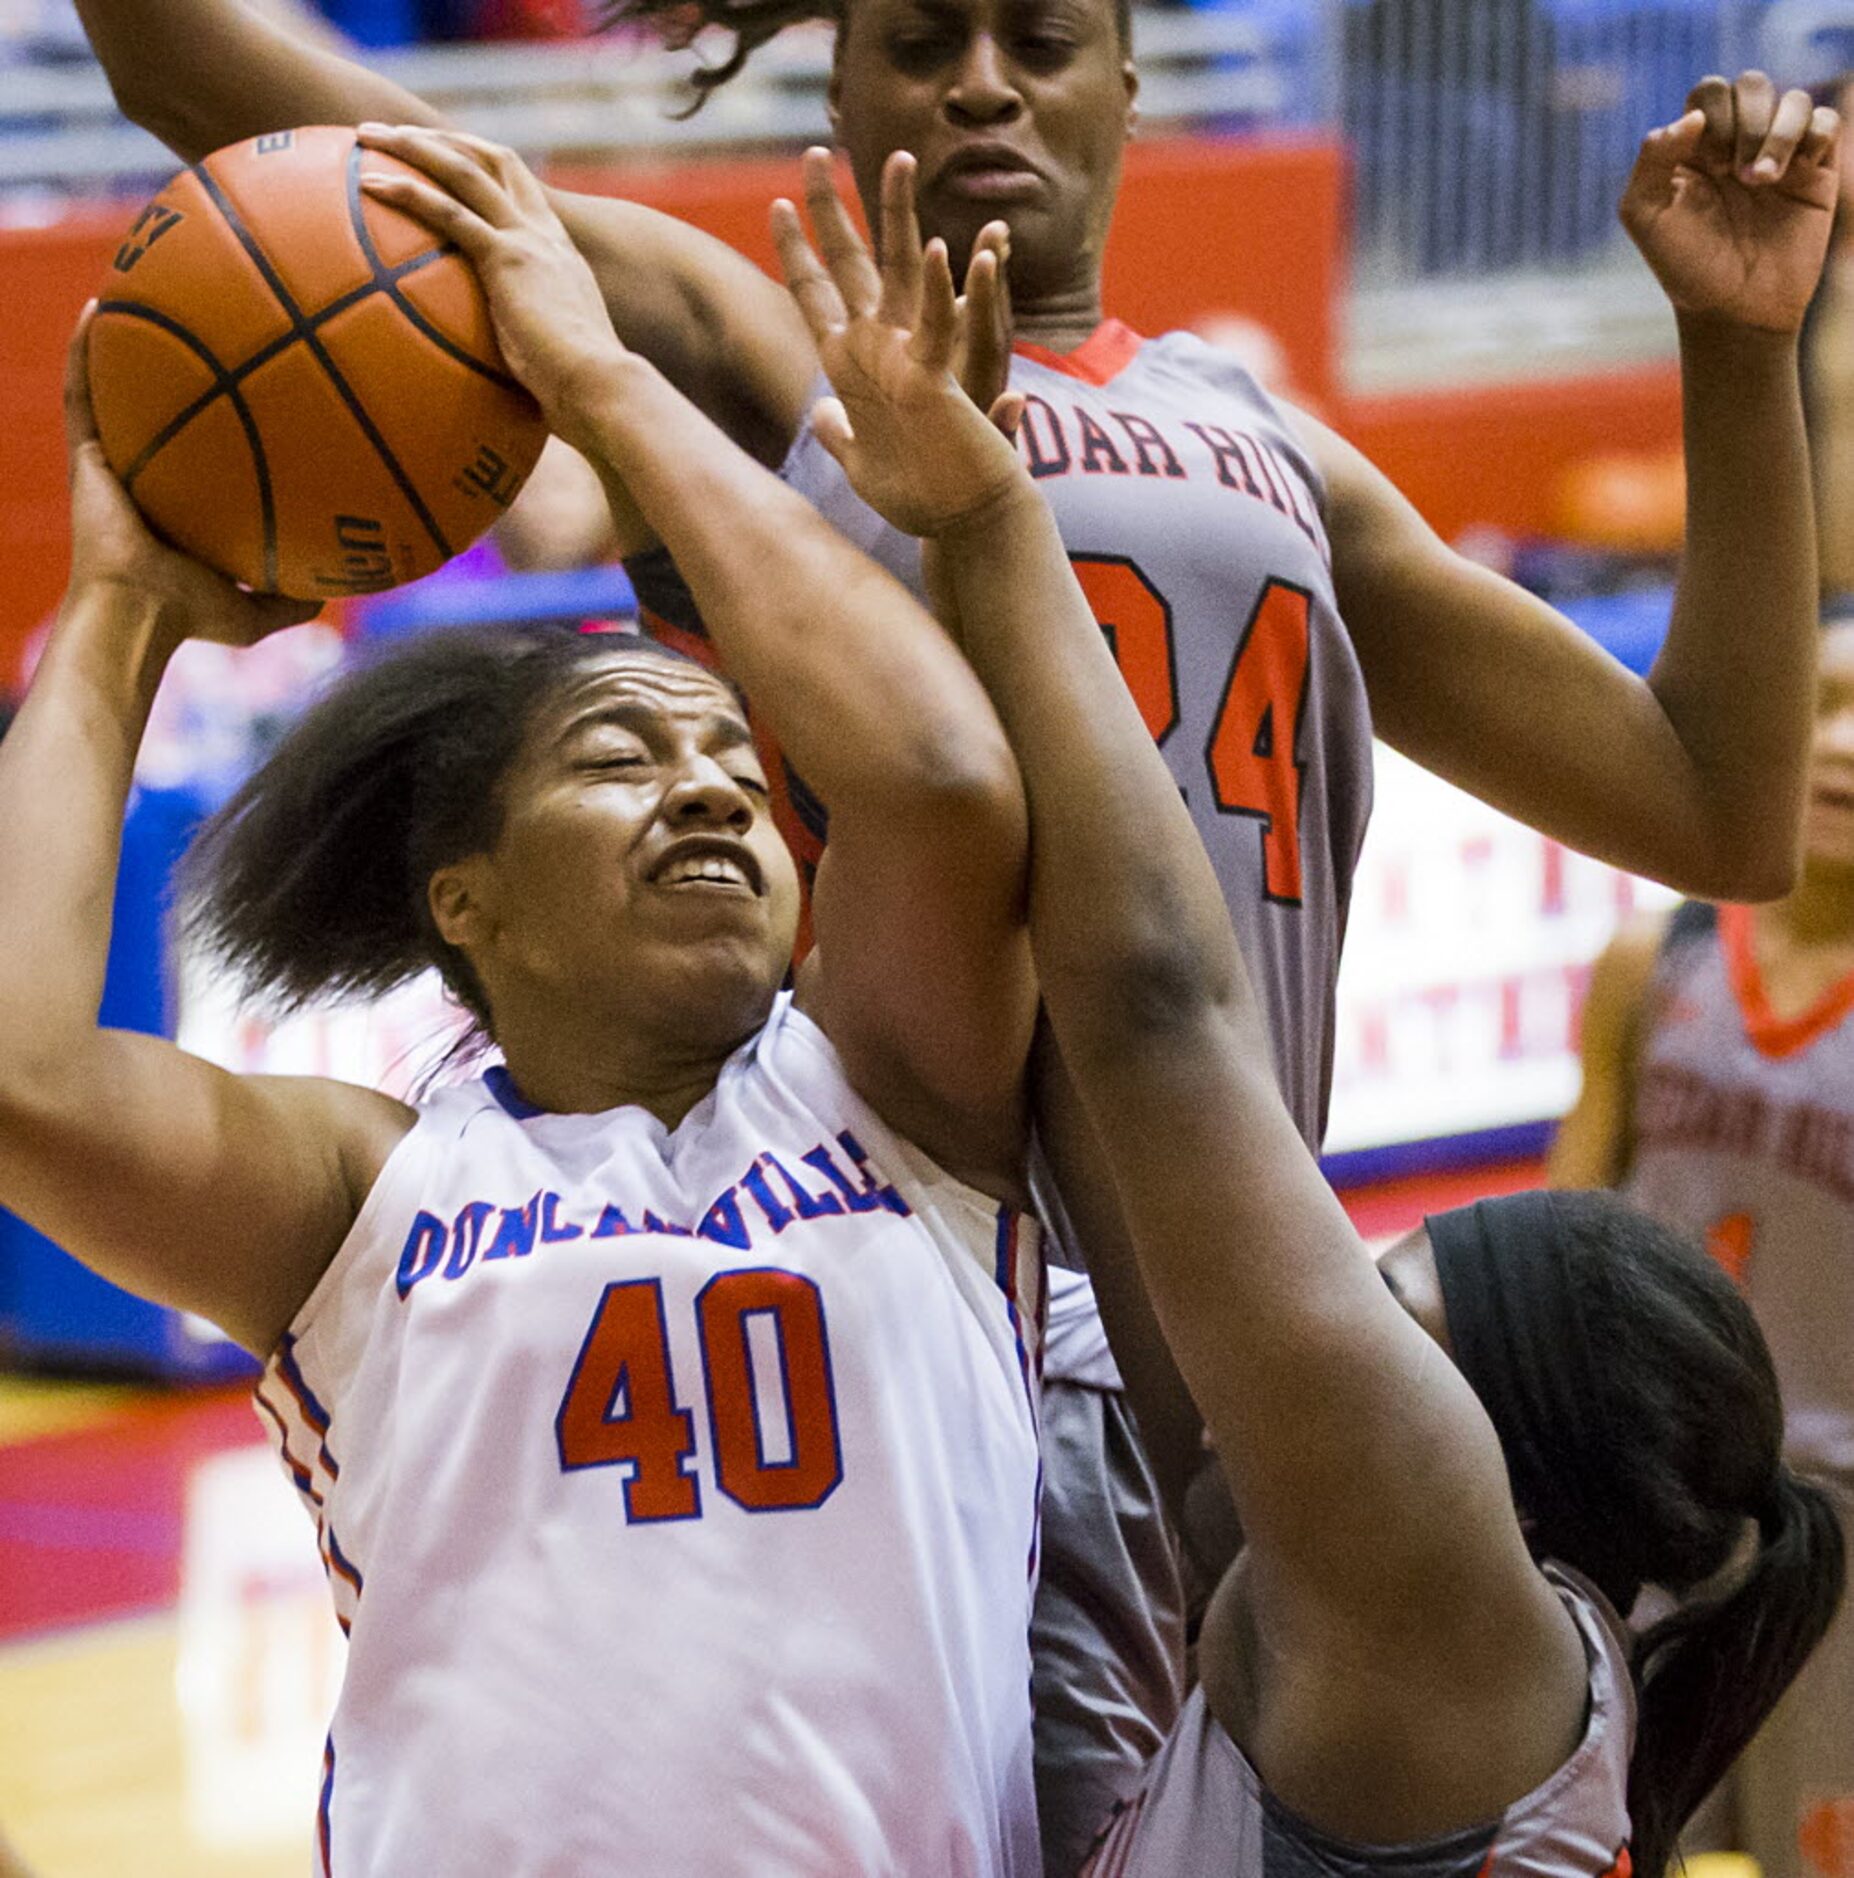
(1007, 413)
(932, 344)
(986, 315)
(443, 214)
(80, 424)
(477, 173)
(805, 278)
(1795, 111)
(1821, 142)
(1752, 130)
(842, 247)
(830, 424)
(900, 242)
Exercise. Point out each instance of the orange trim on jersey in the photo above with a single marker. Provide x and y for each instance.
(1767, 1033)
(1098, 360)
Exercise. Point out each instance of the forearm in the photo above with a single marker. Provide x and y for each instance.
(204, 73)
(1127, 920)
(65, 770)
(867, 694)
(1736, 677)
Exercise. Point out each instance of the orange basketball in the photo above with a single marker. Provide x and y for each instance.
(297, 383)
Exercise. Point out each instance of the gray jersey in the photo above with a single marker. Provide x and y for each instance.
(1744, 1135)
(1204, 1810)
(1196, 525)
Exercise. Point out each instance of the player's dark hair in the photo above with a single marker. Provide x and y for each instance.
(1671, 1471)
(311, 881)
(752, 23)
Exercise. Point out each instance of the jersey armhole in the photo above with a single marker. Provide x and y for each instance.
(399, 1181)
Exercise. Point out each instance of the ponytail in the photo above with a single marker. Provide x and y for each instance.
(752, 22)
(1707, 1678)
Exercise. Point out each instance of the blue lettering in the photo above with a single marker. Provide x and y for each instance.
(515, 1235)
(422, 1252)
(869, 1197)
(612, 1225)
(778, 1214)
(653, 1224)
(466, 1234)
(552, 1232)
(810, 1205)
(724, 1224)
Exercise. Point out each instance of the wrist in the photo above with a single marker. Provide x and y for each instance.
(1011, 505)
(135, 627)
(1709, 337)
(591, 398)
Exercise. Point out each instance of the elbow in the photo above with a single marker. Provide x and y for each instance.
(1749, 870)
(1150, 988)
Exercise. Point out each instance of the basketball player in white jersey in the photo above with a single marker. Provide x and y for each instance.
(1254, 571)
(1718, 1093)
(1420, 1662)
(663, 1399)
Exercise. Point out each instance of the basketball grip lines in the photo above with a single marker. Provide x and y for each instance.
(305, 330)
(224, 384)
(387, 280)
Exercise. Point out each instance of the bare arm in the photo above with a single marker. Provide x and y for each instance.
(925, 984)
(1387, 1562)
(1595, 1142)
(1684, 775)
(217, 1193)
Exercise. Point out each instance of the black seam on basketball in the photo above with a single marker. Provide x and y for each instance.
(264, 354)
(388, 280)
(224, 385)
(305, 331)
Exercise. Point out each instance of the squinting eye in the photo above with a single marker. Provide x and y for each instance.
(754, 787)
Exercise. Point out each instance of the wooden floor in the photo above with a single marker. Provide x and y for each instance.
(167, 1658)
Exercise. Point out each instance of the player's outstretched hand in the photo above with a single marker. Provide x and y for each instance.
(914, 445)
(112, 548)
(549, 314)
(1732, 203)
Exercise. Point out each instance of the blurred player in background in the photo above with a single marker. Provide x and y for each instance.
(1718, 1092)
(1421, 1661)
(584, 1637)
(1272, 598)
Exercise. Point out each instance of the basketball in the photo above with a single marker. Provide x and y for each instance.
(298, 384)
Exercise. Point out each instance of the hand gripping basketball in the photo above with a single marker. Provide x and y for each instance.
(112, 547)
(549, 314)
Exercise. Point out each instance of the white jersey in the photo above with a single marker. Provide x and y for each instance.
(678, 1491)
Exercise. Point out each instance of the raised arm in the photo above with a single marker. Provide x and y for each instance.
(1390, 1601)
(923, 978)
(1693, 775)
(221, 1194)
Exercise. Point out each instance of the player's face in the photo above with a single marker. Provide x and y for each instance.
(637, 879)
(1016, 110)
(1828, 819)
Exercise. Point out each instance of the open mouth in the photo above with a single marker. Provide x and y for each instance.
(708, 867)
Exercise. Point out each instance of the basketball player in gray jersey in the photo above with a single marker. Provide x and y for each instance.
(1719, 1094)
(1393, 1679)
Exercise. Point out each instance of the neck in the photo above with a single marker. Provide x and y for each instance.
(594, 1068)
(1063, 320)
(1818, 912)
